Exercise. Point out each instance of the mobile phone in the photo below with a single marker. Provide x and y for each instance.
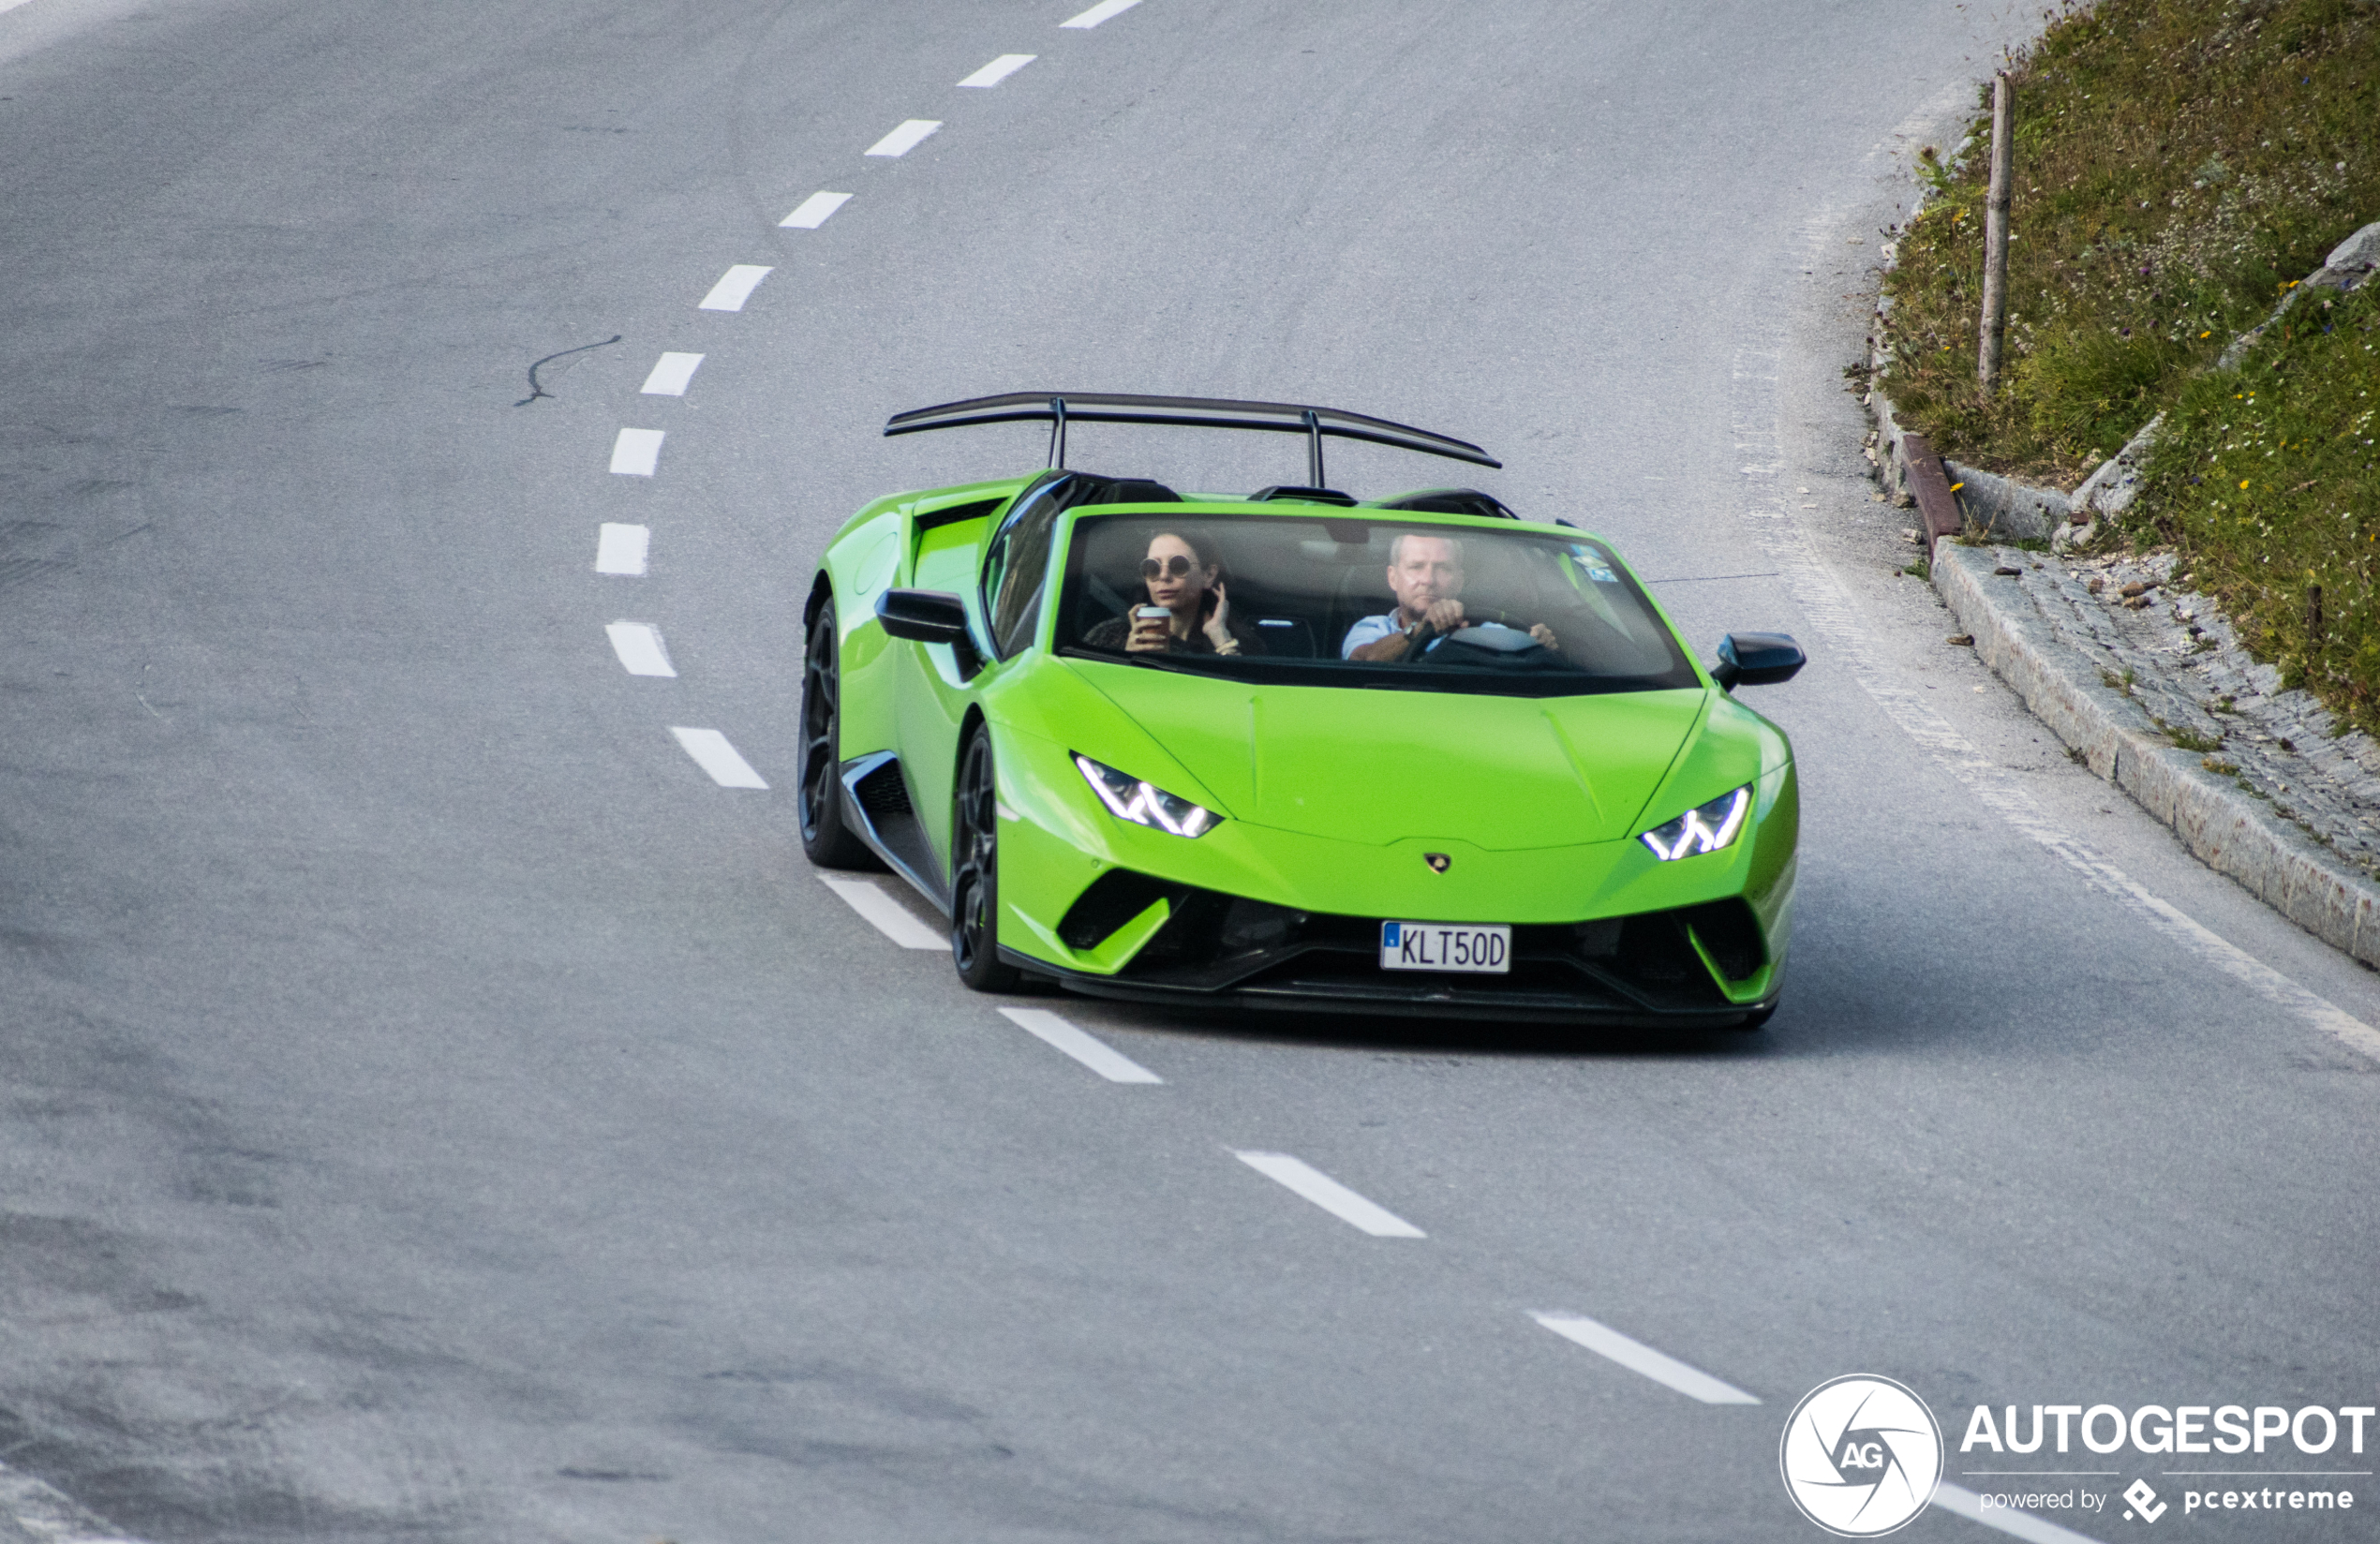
(1150, 613)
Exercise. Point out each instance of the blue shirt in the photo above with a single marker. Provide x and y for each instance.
(1494, 635)
(1371, 629)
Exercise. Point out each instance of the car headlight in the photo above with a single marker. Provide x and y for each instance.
(1705, 828)
(1129, 799)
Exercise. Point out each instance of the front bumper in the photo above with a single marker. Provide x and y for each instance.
(1256, 917)
(1698, 967)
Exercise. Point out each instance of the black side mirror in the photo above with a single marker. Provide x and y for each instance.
(1757, 659)
(929, 617)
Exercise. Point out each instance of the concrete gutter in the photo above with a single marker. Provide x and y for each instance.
(2229, 830)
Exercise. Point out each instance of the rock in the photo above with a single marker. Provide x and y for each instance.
(2358, 251)
(2004, 571)
(1964, 640)
(2005, 507)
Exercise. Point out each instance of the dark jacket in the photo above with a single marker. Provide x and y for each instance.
(1109, 637)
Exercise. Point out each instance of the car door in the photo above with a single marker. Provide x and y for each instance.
(1001, 578)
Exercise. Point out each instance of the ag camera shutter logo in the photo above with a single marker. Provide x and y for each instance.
(1861, 1456)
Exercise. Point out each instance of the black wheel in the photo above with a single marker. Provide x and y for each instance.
(974, 873)
(825, 840)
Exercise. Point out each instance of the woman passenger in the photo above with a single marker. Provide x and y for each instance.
(1178, 581)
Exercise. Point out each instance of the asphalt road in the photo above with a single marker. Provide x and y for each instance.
(434, 1109)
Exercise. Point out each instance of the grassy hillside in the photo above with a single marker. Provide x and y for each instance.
(2267, 478)
(2179, 164)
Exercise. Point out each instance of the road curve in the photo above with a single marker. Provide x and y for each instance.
(442, 1103)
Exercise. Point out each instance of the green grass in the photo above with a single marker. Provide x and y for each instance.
(2267, 479)
(2179, 164)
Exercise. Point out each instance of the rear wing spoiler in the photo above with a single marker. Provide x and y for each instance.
(1195, 412)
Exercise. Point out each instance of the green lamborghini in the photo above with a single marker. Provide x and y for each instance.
(1293, 749)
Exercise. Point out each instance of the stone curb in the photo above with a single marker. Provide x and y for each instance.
(2231, 832)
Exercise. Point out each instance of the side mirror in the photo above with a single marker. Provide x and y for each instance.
(929, 617)
(1757, 659)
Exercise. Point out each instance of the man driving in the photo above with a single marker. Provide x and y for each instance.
(1425, 574)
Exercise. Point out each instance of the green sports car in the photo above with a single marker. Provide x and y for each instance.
(1293, 749)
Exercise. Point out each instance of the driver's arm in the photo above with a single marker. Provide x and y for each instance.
(1382, 650)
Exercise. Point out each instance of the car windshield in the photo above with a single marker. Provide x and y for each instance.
(1362, 600)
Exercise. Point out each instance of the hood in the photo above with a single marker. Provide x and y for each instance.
(1351, 764)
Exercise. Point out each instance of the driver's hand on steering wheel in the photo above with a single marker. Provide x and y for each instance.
(1443, 616)
(1545, 635)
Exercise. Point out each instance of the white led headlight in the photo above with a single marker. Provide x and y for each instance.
(1705, 828)
(1128, 798)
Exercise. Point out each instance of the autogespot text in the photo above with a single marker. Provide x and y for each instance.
(2177, 1429)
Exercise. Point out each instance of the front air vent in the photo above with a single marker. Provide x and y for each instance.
(1112, 900)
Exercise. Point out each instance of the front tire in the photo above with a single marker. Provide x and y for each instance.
(826, 840)
(974, 872)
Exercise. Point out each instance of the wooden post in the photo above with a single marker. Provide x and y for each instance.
(2004, 112)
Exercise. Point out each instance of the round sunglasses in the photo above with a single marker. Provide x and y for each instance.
(1174, 567)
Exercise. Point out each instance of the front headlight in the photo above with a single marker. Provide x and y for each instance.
(1128, 798)
(1705, 828)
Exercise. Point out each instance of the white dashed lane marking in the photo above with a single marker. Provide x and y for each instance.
(1097, 1055)
(671, 372)
(639, 649)
(1099, 13)
(908, 137)
(1967, 1503)
(711, 751)
(620, 549)
(813, 212)
(1330, 1195)
(890, 917)
(636, 452)
(1637, 1356)
(999, 70)
(733, 288)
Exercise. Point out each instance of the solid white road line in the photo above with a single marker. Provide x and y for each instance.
(1330, 1195)
(813, 212)
(1099, 13)
(620, 549)
(733, 288)
(711, 751)
(1637, 1356)
(671, 372)
(636, 452)
(639, 649)
(908, 137)
(891, 918)
(1100, 1057)
(1967, 1503)
(999, 70)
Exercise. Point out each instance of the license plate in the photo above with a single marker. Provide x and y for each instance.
(1473, 948)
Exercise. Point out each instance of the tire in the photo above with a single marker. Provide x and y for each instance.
(826, 840)
(1754, 1020)
(974, 872)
